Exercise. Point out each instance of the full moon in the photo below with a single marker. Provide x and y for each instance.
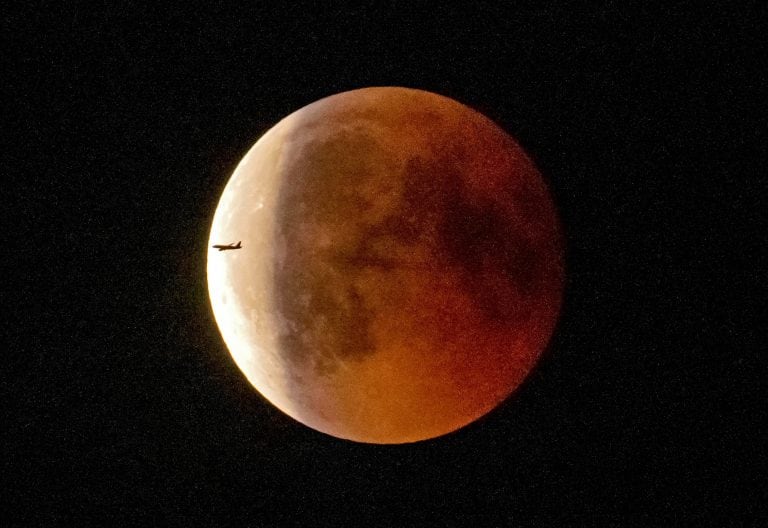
(401, 265)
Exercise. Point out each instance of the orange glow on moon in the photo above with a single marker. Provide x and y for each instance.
(401, 269)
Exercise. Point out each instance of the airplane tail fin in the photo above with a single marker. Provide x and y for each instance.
(238, 243)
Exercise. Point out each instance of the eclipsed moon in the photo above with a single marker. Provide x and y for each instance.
(401, 268)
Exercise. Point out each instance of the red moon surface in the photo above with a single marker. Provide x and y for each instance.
(401, 268)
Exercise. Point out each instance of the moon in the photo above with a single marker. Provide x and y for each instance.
(401, 269)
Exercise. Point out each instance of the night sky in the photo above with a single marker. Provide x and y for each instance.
(121, 126)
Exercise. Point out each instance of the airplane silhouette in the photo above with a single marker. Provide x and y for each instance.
(224, 247)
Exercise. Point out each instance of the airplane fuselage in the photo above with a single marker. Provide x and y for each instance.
(225, 247)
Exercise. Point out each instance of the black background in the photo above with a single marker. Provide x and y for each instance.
(121, 127)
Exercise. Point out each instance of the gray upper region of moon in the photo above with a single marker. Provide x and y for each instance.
(401, 265)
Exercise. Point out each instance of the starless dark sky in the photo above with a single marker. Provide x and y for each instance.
(122, 125)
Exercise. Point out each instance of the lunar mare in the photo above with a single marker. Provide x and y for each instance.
(401, 269)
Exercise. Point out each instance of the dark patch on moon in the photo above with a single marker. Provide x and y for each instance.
(498, 267)
(327, 317)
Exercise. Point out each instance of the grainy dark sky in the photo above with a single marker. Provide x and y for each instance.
(121, 126)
